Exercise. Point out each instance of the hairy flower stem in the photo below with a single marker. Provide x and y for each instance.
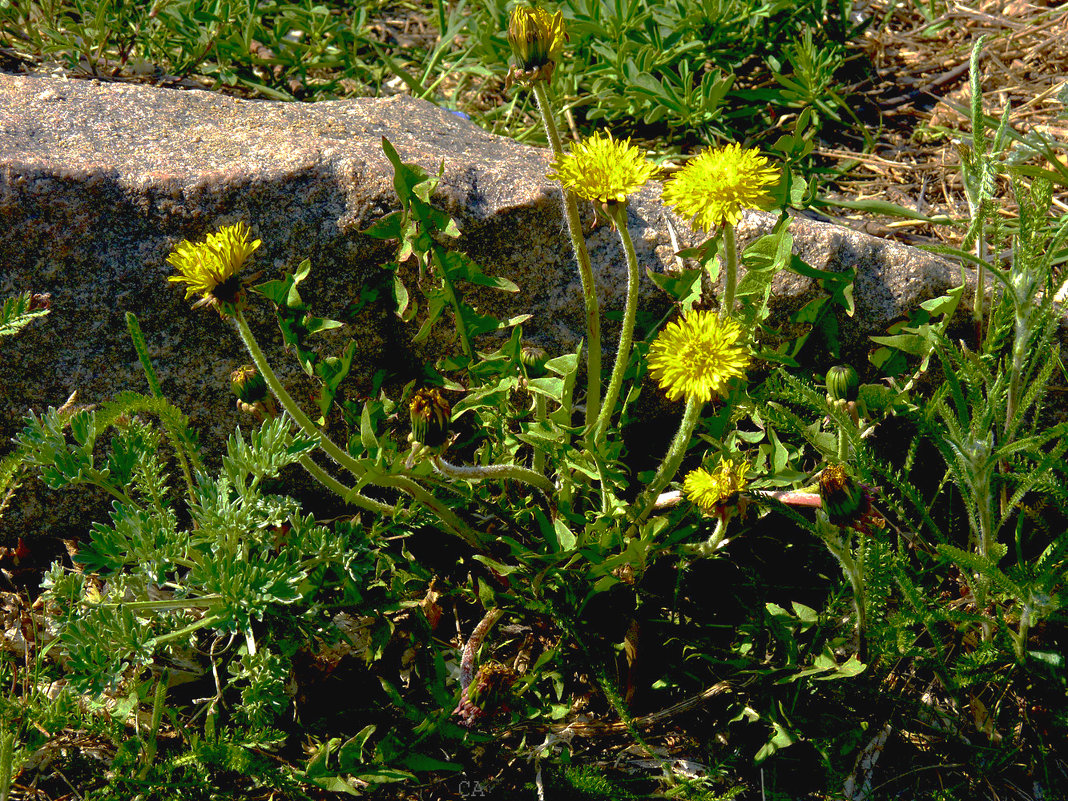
(465, 708)
(447, 517)
(474, 642)
(1019, 356)
(582, 256)
(494, 471)
(837, 542)
(730, 248)
(843, 447)
(347, 494)
(709, 547)
(670, 466)
(626, 333)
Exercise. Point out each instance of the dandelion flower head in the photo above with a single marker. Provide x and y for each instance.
(711, 490)
(210, 268)
(602, 169)
(695, 357)
(718, 185)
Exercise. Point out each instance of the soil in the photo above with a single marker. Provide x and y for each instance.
(923, 96)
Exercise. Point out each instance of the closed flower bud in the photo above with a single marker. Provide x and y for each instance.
(843, 383)
(430, 413)
(248, 385)
(537, 39)
(533, 359)
(846, 502)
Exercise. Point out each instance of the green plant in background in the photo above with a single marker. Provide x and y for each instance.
(688, 71)
(15, 314)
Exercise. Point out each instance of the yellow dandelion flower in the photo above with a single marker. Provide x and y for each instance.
(210, 268)
(717, 186)
(537, 39)
(602, 169)
(695, 357)
(712, 490)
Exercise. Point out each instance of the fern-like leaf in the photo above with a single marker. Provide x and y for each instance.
(17, 312)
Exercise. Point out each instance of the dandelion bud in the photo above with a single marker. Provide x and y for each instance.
(430, 413)
(534, 359)
(248, 385)
(537, 39)
(845, 501)
(843, 383)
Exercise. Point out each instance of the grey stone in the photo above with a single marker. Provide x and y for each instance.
(99, 182)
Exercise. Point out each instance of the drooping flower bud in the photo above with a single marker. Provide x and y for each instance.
(843, 383)
(845, 501)
(430, 413)
(248, 385)
(537, 39)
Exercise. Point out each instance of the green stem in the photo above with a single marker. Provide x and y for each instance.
(454, 299)
(138, 339)
(582, 256)
(980, 281)
(122, 497)
(149, 755)
(843, 445)
(1019, 640)
(853, 570)
(540, 413)
(204, 622)
(7, 750)
(446, 516)
(348, 494)
(203, 602)
(289, 405)
(626, 333)
(711, 545)
(494, 471)
(674, 456)
(731, 249)
(1019, 354)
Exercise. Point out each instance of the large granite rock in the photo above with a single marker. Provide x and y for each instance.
(99, 181)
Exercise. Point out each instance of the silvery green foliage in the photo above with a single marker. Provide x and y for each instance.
(161, 573)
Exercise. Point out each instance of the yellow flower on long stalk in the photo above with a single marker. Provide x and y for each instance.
(712, 490)
(602, 169)
(718, 185)
(694, 358)
(607, 171)
(210, 268)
